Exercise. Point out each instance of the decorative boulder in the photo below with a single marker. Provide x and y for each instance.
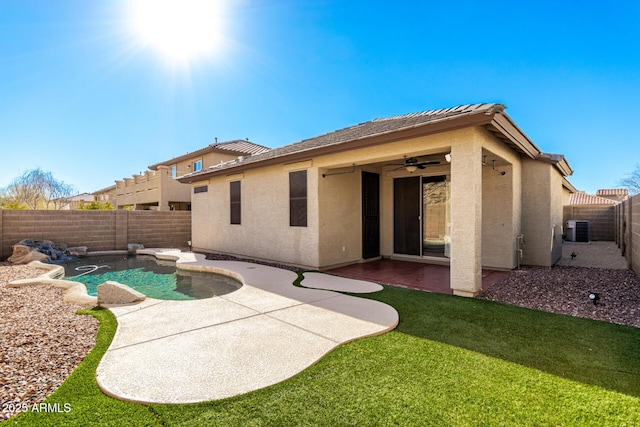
(24, 254)
(117, 293)
(78, 251)
(133, 247)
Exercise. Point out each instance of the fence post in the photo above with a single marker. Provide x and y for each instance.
(122, 225)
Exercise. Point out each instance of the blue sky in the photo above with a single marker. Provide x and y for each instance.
(83, 97)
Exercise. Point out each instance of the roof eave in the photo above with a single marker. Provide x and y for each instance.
(423, 129)
(566, 184)
(517, 138)
(211, 148)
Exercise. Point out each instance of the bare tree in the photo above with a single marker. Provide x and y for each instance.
(632, 181)
(38, 189)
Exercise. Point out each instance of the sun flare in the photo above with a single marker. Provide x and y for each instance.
(180, 30)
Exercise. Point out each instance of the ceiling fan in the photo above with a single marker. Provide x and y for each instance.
(411, 164)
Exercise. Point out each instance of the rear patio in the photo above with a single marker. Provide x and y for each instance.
(412, 275)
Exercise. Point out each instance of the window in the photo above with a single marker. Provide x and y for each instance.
(201, 189)
(174, 171)
(197, 165)
(298, 199)
(234, 197)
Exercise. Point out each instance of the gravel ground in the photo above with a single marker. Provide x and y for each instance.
(565, 290)
(41, 339)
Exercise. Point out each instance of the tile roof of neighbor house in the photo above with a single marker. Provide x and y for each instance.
(360, 135)
(581, 198)
(239, 147)
(613, 192)
(105, 190)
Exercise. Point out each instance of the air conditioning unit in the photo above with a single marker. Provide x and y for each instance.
(578, 231)
(571, 231)
(583, 232)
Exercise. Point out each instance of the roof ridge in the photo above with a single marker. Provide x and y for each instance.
(460, 109)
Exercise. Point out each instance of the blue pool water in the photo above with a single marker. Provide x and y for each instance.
(148, 275)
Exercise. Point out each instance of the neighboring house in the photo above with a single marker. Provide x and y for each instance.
(75, 201)
(582, 198)
(616, 194)
(592, 217)
(462, 186)
(106, 195)
(158, 189)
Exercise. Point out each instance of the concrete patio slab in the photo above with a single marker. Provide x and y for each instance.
(211, 363)
(339, 319)
(340, 284)
(175, 317)
(264, 333)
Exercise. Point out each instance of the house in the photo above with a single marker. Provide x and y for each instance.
(74, 202)
(158, 189)
(105, 195)
(618, 195)
(582, 198)
(461, 186)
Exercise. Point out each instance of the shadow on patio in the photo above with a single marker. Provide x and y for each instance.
(412, 275)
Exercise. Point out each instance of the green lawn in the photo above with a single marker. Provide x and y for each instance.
(451, 361)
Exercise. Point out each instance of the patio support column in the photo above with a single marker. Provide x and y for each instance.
(466, 218)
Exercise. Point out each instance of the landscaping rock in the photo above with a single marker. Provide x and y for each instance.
(133, 247)
(78, 251)
(24, 254)
(42, 341)
(117, 293)
(27, 250)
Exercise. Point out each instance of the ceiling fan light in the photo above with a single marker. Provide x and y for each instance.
(411, 168)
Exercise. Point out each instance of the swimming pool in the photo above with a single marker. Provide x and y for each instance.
(153, 277)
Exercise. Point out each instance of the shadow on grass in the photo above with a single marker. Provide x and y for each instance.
(592, 352)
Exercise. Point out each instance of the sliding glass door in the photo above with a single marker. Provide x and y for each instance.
(422, 216)
(436, 234)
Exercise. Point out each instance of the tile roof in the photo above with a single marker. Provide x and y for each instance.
(613, 192)
(589, 199)
(237, 146)
(105, 190)
(368, 129)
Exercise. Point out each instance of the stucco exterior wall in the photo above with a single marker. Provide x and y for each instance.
(556, 208)
(208, 159)
(264, 232)
(527, 199)
(542, 205)
(340, 218)
(158, 189)
(501, 203)
(536, 220)
(498, 228)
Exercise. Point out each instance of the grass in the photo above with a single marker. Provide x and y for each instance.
(451, 361)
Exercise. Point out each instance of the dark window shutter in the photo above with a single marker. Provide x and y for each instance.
(298, 199)
(235, 207)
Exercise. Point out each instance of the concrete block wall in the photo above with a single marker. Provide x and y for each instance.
(156, 229)
(628, 232)
(98, 230)
(602, 219)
